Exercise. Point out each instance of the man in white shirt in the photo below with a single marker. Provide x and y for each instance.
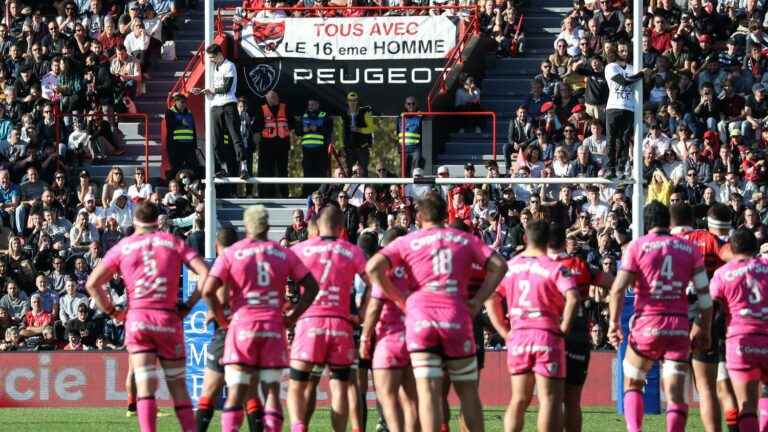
(596, 209)
(620, 108)
(50, 82)
(657, 141)
(224, 115)
(596, 142)
(69, 302)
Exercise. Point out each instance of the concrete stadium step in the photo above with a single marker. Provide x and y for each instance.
(501, 86)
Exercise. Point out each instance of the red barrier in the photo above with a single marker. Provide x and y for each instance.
(91, 379)
(454, 58)
(403, 116)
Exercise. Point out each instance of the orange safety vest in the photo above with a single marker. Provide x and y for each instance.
(272, 128)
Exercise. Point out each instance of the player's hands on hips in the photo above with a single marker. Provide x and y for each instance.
(700, 338)
(615, 335)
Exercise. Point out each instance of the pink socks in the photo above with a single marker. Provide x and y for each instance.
(232, 419)
(186, 418)
(146, 409)
(676, 417)
(633, 410)
(273, 421)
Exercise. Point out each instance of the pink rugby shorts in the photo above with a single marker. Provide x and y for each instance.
(323, 341)
(158, 331)
(536, 351)
(258, 343)
(445, 331)
(657, 337)
(746, 357)
(390, 351)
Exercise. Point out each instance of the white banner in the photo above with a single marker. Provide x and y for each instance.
(364, 38)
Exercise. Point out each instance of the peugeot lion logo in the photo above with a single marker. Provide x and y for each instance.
(262, 78)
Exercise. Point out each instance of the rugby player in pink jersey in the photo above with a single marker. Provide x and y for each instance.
(741, 286)
(708, 367)
(438, 313)
(659, 266)
(542, 299)
(254, 272)
(391, 363)
(323, 334)
(150, 262)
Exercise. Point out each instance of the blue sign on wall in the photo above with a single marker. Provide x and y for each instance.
(197, 336)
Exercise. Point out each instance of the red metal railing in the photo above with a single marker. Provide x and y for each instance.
(140, 116)
(454, 58)
(405, 115)
(333, 8)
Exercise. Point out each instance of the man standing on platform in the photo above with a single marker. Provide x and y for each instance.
(358, 134)
(274, 124)
(224, 116)
(316, 136)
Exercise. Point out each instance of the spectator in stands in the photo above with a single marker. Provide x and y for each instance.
(35, 319)
(49, 300)
(297, 231)
(70, 301)
(409, 136)
(468, 99)
(121, 209)
(137, 45)
(15, 301)
(358, 134)
(140, 189)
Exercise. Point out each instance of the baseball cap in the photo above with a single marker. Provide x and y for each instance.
(418, 172)
(469, 166)
(712, 135)
(735, 132)
(442, 169)
(577, 108)
(352, 96)
(257, 217)
(546, 106)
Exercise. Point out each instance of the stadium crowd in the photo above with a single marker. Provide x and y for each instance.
(65, 68)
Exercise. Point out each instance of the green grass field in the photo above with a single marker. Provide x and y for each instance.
(114, 420)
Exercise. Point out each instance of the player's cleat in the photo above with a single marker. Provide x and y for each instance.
(130, 413)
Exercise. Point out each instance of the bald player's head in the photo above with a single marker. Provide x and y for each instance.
(330, 222)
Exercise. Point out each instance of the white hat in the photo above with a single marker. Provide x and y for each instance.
(442, 169)
(418, 172)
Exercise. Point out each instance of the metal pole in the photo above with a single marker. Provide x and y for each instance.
(638, 199)
(210, 189)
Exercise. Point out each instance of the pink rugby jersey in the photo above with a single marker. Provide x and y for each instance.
(663, 266)
(742, 286)
(440, 260)
(392, 318)
(258, 271)
(534, 288)
(151, 266)
(334, 263)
